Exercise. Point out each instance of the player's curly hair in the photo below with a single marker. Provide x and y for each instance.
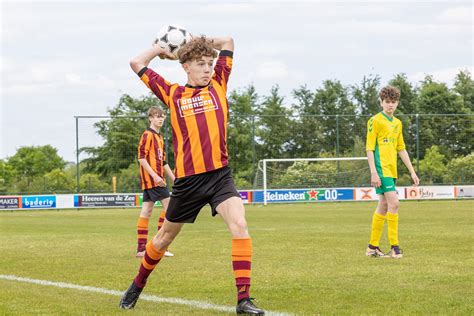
(389, 93)
(195, 49)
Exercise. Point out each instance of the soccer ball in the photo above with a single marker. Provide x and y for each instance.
(172, 38)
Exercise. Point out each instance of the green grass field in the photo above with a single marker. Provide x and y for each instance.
(308, 259)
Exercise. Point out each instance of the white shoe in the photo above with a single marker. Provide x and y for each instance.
(168, 254)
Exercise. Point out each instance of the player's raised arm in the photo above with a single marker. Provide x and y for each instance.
(143, 59)
(222, 43)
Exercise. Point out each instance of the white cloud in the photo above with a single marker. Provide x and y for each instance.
(457, 15)
(446, 75)
(227, 8)
(272, 70)
(73, 78)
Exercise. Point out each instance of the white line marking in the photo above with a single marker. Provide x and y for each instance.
(144, 297)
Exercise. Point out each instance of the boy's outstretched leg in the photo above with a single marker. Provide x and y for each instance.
(155, 250)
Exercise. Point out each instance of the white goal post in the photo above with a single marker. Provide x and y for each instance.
(265, 161)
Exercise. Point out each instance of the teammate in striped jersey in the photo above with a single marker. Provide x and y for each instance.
(153, 171)
(199, 114)
(384, 141)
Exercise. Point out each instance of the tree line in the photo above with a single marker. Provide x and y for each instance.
(329, 121)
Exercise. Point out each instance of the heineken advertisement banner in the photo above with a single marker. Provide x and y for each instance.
(311, 195)
(306, 195)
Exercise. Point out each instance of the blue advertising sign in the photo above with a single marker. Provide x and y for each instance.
(306, 195)
(44, 201)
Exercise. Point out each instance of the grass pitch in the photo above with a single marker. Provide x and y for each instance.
(308, 259)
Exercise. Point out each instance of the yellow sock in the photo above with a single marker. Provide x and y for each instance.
(392, 220)
(377, 228)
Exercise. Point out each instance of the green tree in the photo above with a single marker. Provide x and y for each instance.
(274, 127)
(56, 181)
(408, 94)
(7, 176)
(91, 183)
(241, 131)
(337, 130)
(307, 130)
(303, 173)
(366, 95)
(128, 180)
(464, 87)
(121, 136)
(460, 170)
(450, 133)
(33, 161)
(433, 166)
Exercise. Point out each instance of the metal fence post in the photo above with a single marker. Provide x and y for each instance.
(77, 155)
(417, 144)
(254, 168)
(337, 142)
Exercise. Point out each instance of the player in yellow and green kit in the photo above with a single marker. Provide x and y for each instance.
(384, 141)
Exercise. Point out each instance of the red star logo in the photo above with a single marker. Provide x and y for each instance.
(313, 195)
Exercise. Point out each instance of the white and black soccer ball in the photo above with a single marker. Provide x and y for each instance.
(172, 38)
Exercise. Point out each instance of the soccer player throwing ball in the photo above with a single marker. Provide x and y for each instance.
(384, 140)
(199, 115)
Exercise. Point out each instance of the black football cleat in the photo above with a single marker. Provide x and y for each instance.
(247, 307)
(130, 297)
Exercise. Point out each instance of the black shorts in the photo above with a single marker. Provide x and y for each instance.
(155, 194)
(191, 193)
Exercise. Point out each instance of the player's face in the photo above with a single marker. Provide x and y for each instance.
(199, 71)
(389, 106)
(157, 121)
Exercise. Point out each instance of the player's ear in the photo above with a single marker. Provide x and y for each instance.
(185, 67)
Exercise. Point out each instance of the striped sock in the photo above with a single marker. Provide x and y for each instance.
(377, 228)
(149, 262)
(161, 219)
(392, 221)
(142, 233)
(241, 263)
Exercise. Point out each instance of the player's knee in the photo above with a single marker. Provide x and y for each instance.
(163, 239)
(146, 212)
(161, 244)
(394, 205)
(240, 228)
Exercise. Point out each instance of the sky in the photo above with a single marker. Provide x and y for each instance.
(61, 59)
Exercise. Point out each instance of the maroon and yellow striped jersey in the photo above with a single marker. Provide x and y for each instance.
(198, 118)
(151, 148)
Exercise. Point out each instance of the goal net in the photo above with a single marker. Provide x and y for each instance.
(299, 173)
